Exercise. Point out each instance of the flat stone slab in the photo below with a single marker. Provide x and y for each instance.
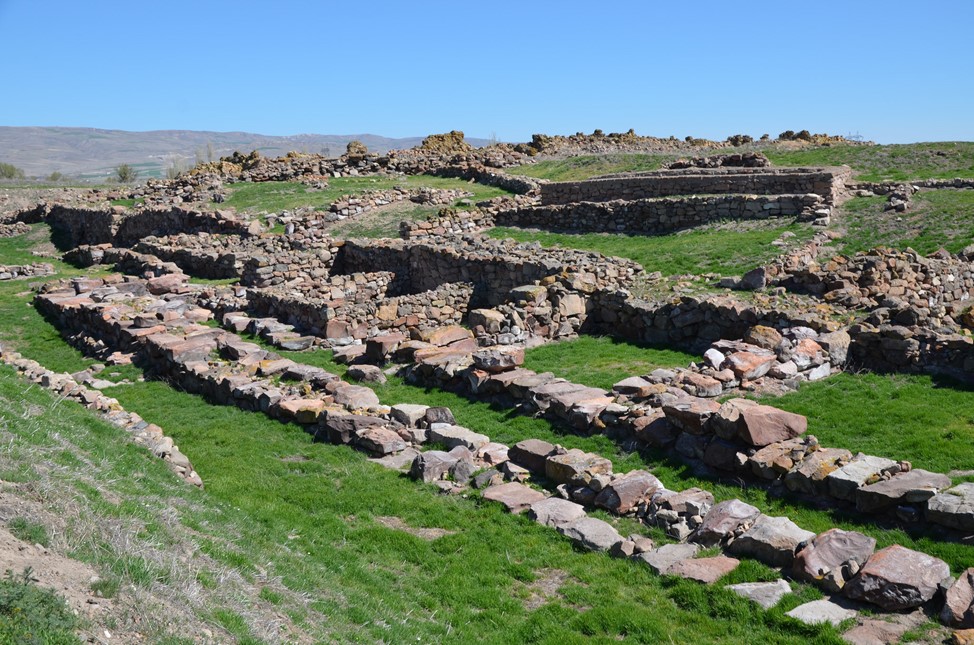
(953, 508)
(409, 414)
(911, 487)
(555, 511)
(724, 520)
(591, 533)
(379, 441)
(766, 594)
(516, 497)
(691, 414)
(401, 461)
(452, 436)
(822, 611)
(705, 570)
(356, 397)
(772, 540)
(844, 482)
(432, 465)
(662, 559)
(880, 631)
(898, 578)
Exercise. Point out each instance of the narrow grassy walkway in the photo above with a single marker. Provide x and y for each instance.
(602, 361)
(711, 250)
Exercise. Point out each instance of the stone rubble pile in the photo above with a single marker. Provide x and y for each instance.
(16, 271)
(736, 160)
(351, 205)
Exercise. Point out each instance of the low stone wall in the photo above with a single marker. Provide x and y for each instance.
(16, 271)
(828, 183)
(658, 216)
(363, 316)
(122, 227)
(494, 267)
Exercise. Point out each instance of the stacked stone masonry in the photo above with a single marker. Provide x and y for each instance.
(828, 183)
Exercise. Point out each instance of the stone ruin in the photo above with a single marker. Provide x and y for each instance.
(455, 310)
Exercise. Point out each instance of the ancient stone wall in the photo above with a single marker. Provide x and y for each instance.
(494, 267)
(122, 227)
(363, 317)
(828, 183)
(658, 216)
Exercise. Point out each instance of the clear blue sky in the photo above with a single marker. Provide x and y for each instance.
(893, 71)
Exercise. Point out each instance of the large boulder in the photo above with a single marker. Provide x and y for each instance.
(756, 424)
(833, 557)
(452, 436)
(898, 578)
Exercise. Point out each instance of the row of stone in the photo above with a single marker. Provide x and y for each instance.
(894, 578)
(739, 437)
(349, 205)
(148, 435)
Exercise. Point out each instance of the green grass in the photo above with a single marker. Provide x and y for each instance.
(936, 219)
(274, 196)
(898, 162)
(928, 421)
(587, 166)
(29, 614)
(722, 250)
(128, 203)
(28, 531)
(602, 361)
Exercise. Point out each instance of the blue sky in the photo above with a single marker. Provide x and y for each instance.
(892, 71)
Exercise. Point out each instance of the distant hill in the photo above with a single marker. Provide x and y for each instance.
(91, 153)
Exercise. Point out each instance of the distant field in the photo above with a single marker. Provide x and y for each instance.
(896, 162)
(724, 250)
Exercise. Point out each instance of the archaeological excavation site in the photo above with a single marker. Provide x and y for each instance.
(592, 387)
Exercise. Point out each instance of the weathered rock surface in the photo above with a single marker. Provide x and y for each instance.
(705, 570)
(452, 436)
(531, 454)
(514, 496)
(766, 594)
(554, 511)
(954, 507)
(627, 491)
(725, 520)
(576, 467)
(911, 487)
(772, 540)
(660, 560)
(822, 611)
(591, 533)
(432, 465)
(898, 578)
(833, 557)
(958, 611)
(845, 481)
(756, 424)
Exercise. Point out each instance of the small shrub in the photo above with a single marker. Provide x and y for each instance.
(126, 173)
(10, 171)
(29, 614)
(105, 587)
(55, 177)
(24, 529)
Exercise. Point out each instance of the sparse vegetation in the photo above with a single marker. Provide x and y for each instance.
(584, 167)
(10, 171)
(28, 531)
